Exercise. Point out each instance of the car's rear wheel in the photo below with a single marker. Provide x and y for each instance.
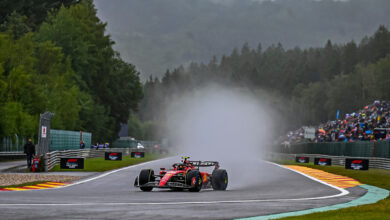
(194, 179)
(145, 176)
(219, 179)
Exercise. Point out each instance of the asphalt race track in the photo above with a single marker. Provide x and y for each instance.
(114, 197)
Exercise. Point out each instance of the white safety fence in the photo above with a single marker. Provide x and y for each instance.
(53, 158)
(374, 162)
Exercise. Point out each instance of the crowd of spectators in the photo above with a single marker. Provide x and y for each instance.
(370, 123)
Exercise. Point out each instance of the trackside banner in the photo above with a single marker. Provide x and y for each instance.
(356, 164)
(113, 156)
(323, 161)
(302, 159)
(72, 163)
(138, 154)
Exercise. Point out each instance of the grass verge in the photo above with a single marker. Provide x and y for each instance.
(375, 177)
(101, 165)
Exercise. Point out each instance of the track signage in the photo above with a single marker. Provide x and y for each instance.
(323, 161)
(72, 163)
(356, 164)
(138, 154)
(113, 156)
(302, 159)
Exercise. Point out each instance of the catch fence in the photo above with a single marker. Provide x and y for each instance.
(68, 140)
(12, 144)
(379, 149)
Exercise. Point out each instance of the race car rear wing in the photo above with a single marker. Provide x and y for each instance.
(204, 163)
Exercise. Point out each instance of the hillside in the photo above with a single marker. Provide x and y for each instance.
(156, 35)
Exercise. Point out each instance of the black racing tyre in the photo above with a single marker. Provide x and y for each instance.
(145, 176)
(194, 179)
(136, 181)
(219, 179)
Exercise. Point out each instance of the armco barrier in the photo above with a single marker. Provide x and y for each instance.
(355, 149)
(375, 162)
(133, 143)
(53, 158)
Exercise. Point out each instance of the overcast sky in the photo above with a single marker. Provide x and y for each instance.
(159, 34)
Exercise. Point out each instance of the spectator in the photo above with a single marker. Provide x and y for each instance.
(370, 123)
(29, 150)
(82, 145)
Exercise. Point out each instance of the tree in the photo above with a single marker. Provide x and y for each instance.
(35, 77)
(112, 84)
(35, 11)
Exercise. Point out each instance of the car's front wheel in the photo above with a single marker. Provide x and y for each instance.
(145, 176)
(194, 179)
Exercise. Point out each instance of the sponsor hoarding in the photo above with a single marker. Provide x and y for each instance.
(323, 161)
(138, 154)
(302, 159)
(72, 163)
(44, 132)
(356, 164)
(113, 156)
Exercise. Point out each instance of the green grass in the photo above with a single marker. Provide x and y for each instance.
(101, 165)
(375, 177)
(24, 184)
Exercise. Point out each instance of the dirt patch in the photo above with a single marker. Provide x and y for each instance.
(15, 179)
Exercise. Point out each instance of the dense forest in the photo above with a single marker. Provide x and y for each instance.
(157, 35)
(303, 86)
(55, 56)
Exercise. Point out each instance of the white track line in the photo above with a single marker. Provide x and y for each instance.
(97, 177)
(111, 172)
(343, 192)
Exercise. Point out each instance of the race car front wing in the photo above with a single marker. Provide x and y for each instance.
(167, 185)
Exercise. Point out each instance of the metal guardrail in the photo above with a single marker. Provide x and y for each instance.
(12, 153)
(375, 162)
(53, 158)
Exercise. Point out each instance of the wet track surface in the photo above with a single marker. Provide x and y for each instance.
(114, 197)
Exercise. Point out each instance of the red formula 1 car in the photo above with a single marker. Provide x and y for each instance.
(184, 175)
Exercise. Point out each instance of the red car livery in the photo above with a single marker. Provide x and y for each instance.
(184, 175)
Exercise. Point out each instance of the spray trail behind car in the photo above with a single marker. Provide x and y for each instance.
(224, 125)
